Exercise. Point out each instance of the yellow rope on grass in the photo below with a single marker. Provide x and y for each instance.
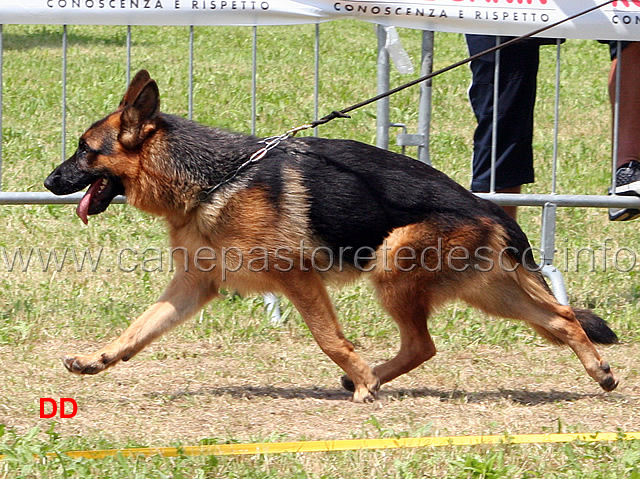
(350, 445)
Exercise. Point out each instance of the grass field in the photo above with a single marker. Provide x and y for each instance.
(228, 375)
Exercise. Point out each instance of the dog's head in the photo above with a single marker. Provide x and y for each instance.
(109, 152)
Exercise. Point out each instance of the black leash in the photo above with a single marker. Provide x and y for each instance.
(274, 141)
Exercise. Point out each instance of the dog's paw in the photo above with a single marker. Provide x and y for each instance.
(347, 383)
(85, 364)
(608, 382)
(366, 393)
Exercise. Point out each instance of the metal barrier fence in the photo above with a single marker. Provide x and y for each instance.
(16, 198)
(548, 202)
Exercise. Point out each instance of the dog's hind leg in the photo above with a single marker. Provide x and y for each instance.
(404, 290)
(308, 294)
(184, 296)
(519, 295)
(408, 305)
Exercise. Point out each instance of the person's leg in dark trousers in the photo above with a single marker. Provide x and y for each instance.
(516, 101)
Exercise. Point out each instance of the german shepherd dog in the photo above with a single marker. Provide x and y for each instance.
(312, 210)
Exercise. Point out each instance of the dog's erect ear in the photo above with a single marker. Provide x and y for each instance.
(135, 86)
(140, 104)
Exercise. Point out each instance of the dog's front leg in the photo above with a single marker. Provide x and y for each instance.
(185, 295)
(309, 295)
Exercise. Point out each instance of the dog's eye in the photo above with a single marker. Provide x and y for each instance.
(84, 147)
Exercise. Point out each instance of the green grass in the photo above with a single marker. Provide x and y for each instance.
(37, 305)
(619, 459)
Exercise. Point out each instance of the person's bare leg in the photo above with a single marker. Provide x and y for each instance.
(627, 159)
(511, 210)
(629, 126)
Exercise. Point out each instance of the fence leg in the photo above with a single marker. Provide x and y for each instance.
(421, 138)
(557, 283)
(190, 94)
(548, 251)
(316, 77)
(382, 117)
(424, 108)
(254, 79)
(64, 93)
(128, 55)
(272, 305)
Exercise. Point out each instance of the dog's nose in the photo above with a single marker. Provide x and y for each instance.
(50, 182)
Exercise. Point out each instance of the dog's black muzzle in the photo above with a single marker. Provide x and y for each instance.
(69, 178)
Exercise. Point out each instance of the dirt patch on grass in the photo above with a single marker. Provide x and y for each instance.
(289, 389)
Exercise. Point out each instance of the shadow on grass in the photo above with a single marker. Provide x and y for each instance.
(517, 396)
(248, 392)
(48, 38)
(520, 397)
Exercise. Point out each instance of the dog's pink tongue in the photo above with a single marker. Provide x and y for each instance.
(83, 207)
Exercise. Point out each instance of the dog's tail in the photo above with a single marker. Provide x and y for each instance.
(597, 329)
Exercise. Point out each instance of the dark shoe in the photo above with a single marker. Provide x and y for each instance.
(627, 184)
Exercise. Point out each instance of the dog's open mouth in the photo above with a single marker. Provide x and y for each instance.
(98, 197)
